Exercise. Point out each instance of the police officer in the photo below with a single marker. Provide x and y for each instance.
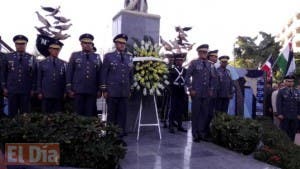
(177, 83)
(226, 83)
(200, 90)
(288, 107)
(117, 77)
(83, 77)
(19, 77)
(52, 80)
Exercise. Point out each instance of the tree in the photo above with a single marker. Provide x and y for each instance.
(251, 52)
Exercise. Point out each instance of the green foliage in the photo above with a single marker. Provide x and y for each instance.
(236, 133)
(82, 142)
(249, 53)
(278, 150)
(297, 60)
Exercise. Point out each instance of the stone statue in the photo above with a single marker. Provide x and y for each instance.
(136, 5)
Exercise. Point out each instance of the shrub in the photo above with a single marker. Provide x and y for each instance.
(236, 133)
(278, 150)
(82, 142)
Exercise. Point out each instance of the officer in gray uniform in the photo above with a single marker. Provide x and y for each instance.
(52, 80)
(212, 57)
(83, 77)
(117, 77)
(226, 83)
(288, 107)
(177, 83)
(19, 77)
(200, 90)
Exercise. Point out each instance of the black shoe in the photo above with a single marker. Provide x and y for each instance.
(174, 124)
(207, 139)
(171, 130)
(182, 129)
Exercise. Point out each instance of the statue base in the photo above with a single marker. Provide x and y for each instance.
(136, 24)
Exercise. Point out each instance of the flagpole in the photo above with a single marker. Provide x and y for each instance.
(275, 61)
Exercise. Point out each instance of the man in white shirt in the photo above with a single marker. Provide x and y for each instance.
(276, 88)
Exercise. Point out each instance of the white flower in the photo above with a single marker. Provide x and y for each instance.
(158, 92)
(165, 77)
(142, 43)
(166, 82)
(135, 84)
(160, 86)
(151, 91)
(135, 46)
(138, 87)
(147, 45)
(145, 92)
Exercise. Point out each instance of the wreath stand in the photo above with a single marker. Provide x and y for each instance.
(138, 120)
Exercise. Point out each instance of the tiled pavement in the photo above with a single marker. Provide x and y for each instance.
(178, 151)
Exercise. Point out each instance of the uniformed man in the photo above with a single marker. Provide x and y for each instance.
(19, 77)
(117, 77)
(213, 58)
(288, 107)
(226, 83)
(83, 77)
(200, 90)
(52, 80)
(177, 84)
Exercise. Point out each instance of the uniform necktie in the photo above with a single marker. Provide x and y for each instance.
(122, 57)
(204, 65)
(54, 61)
(20, 58)
(87, 56)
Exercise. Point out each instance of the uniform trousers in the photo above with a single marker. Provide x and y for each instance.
(200, 116)
(289, 126)
(18, 103)
(117, 112)
(85, 104)
(52, 105)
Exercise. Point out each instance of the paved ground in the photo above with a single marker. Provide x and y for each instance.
(178, 151)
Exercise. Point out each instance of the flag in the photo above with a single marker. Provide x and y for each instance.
(267, 67)
(286, 60)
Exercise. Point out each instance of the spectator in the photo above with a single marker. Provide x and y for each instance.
(276, 88)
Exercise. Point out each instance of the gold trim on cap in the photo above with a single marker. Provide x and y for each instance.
(87, 40)
(54, 46)
(20, 41)
(224, 59)
(122, 40)
(213, 54)
(203, 49)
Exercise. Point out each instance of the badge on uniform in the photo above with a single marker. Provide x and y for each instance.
(78, 62)
(11, 64)
(62, 70)
(198, 67)
(30, 62)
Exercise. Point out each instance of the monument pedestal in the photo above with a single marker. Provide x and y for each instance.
(136, 24)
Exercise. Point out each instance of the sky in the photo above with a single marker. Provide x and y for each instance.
(215, 22)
